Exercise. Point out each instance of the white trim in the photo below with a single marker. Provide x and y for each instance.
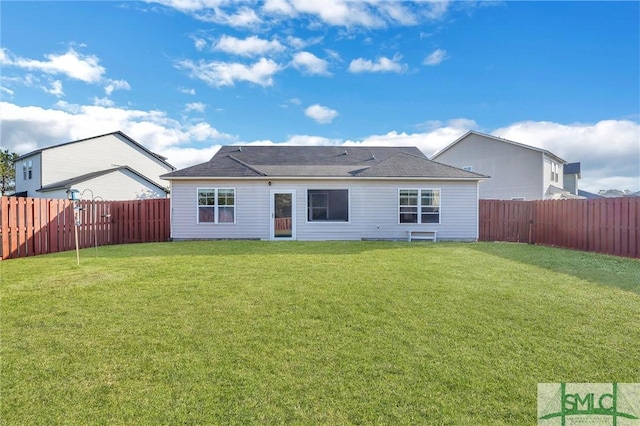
(215, 206)
(272, 235)
(419, 206)
(327, 221)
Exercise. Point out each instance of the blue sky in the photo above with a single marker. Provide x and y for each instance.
(184, 77)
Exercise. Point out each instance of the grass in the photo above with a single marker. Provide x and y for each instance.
(309, 333)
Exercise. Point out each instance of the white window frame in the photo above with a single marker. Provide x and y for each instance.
(328, 206)
(27, 170)
(419, 206)
(216, 206)
(555, 172)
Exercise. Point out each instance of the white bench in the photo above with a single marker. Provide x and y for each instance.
(421, 234)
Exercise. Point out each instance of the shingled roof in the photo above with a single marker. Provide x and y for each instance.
(320, 161)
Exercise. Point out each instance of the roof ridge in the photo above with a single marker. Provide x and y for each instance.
(499, 139)
(237, 160)
(137, 144)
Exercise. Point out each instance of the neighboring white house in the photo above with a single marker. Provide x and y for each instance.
(322, 193)
(111, 166)
(517, 171)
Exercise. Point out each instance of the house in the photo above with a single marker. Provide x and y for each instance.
(111, 166)
(588, 195)
(571, 176)
(323, 193)
(518, 171)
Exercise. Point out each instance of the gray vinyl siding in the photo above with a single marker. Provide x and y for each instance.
(373, 210)
(548, 162)
(119, 185)
(106, 152)
(29, 185)
(514, 171)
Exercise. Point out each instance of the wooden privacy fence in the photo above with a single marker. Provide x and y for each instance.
(33, 226)
(603, 225)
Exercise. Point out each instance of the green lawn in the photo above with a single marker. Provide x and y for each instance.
(309, 333)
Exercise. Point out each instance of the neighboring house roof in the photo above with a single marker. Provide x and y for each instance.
(153, 154)
(499, 139)
(588, 195)
(571, 169)
(68, 183)
(320, 161)
(555, 193)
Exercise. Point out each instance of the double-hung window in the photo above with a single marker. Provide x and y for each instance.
(216, 205)
(27, 169)
(328, 205)
(419, 206)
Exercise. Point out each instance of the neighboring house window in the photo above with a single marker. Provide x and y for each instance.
(27, 169)
(555, 176)
(328, 205)
(419, 205)
(216, 205)
(517, 199)
(468, 168)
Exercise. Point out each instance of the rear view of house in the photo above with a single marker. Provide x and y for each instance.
(518, 171)
(112, 166)
(322, 193)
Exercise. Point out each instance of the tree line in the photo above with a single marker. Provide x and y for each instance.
(7, 172)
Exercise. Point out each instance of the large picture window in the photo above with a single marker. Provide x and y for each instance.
(216, 205)
(419, 205)
(328, 205)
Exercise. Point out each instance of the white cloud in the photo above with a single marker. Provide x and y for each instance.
(190, 5)
(396, 12)
(244, 17)
(321, 114)
(250, 46)
(25, 129)
(608, 149)
(309, 63)
(195, 106)
(6, 90)
(341, 12)
(71, 64)
(436, 9)
(116, 85)
(436, 57)
(428, 142)
(299, 44)
(383, 64)
(200, 44)
(279, 7)
(344, 13)
(187, 91)
(55, 89)
(218, 74)
(104, 102)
